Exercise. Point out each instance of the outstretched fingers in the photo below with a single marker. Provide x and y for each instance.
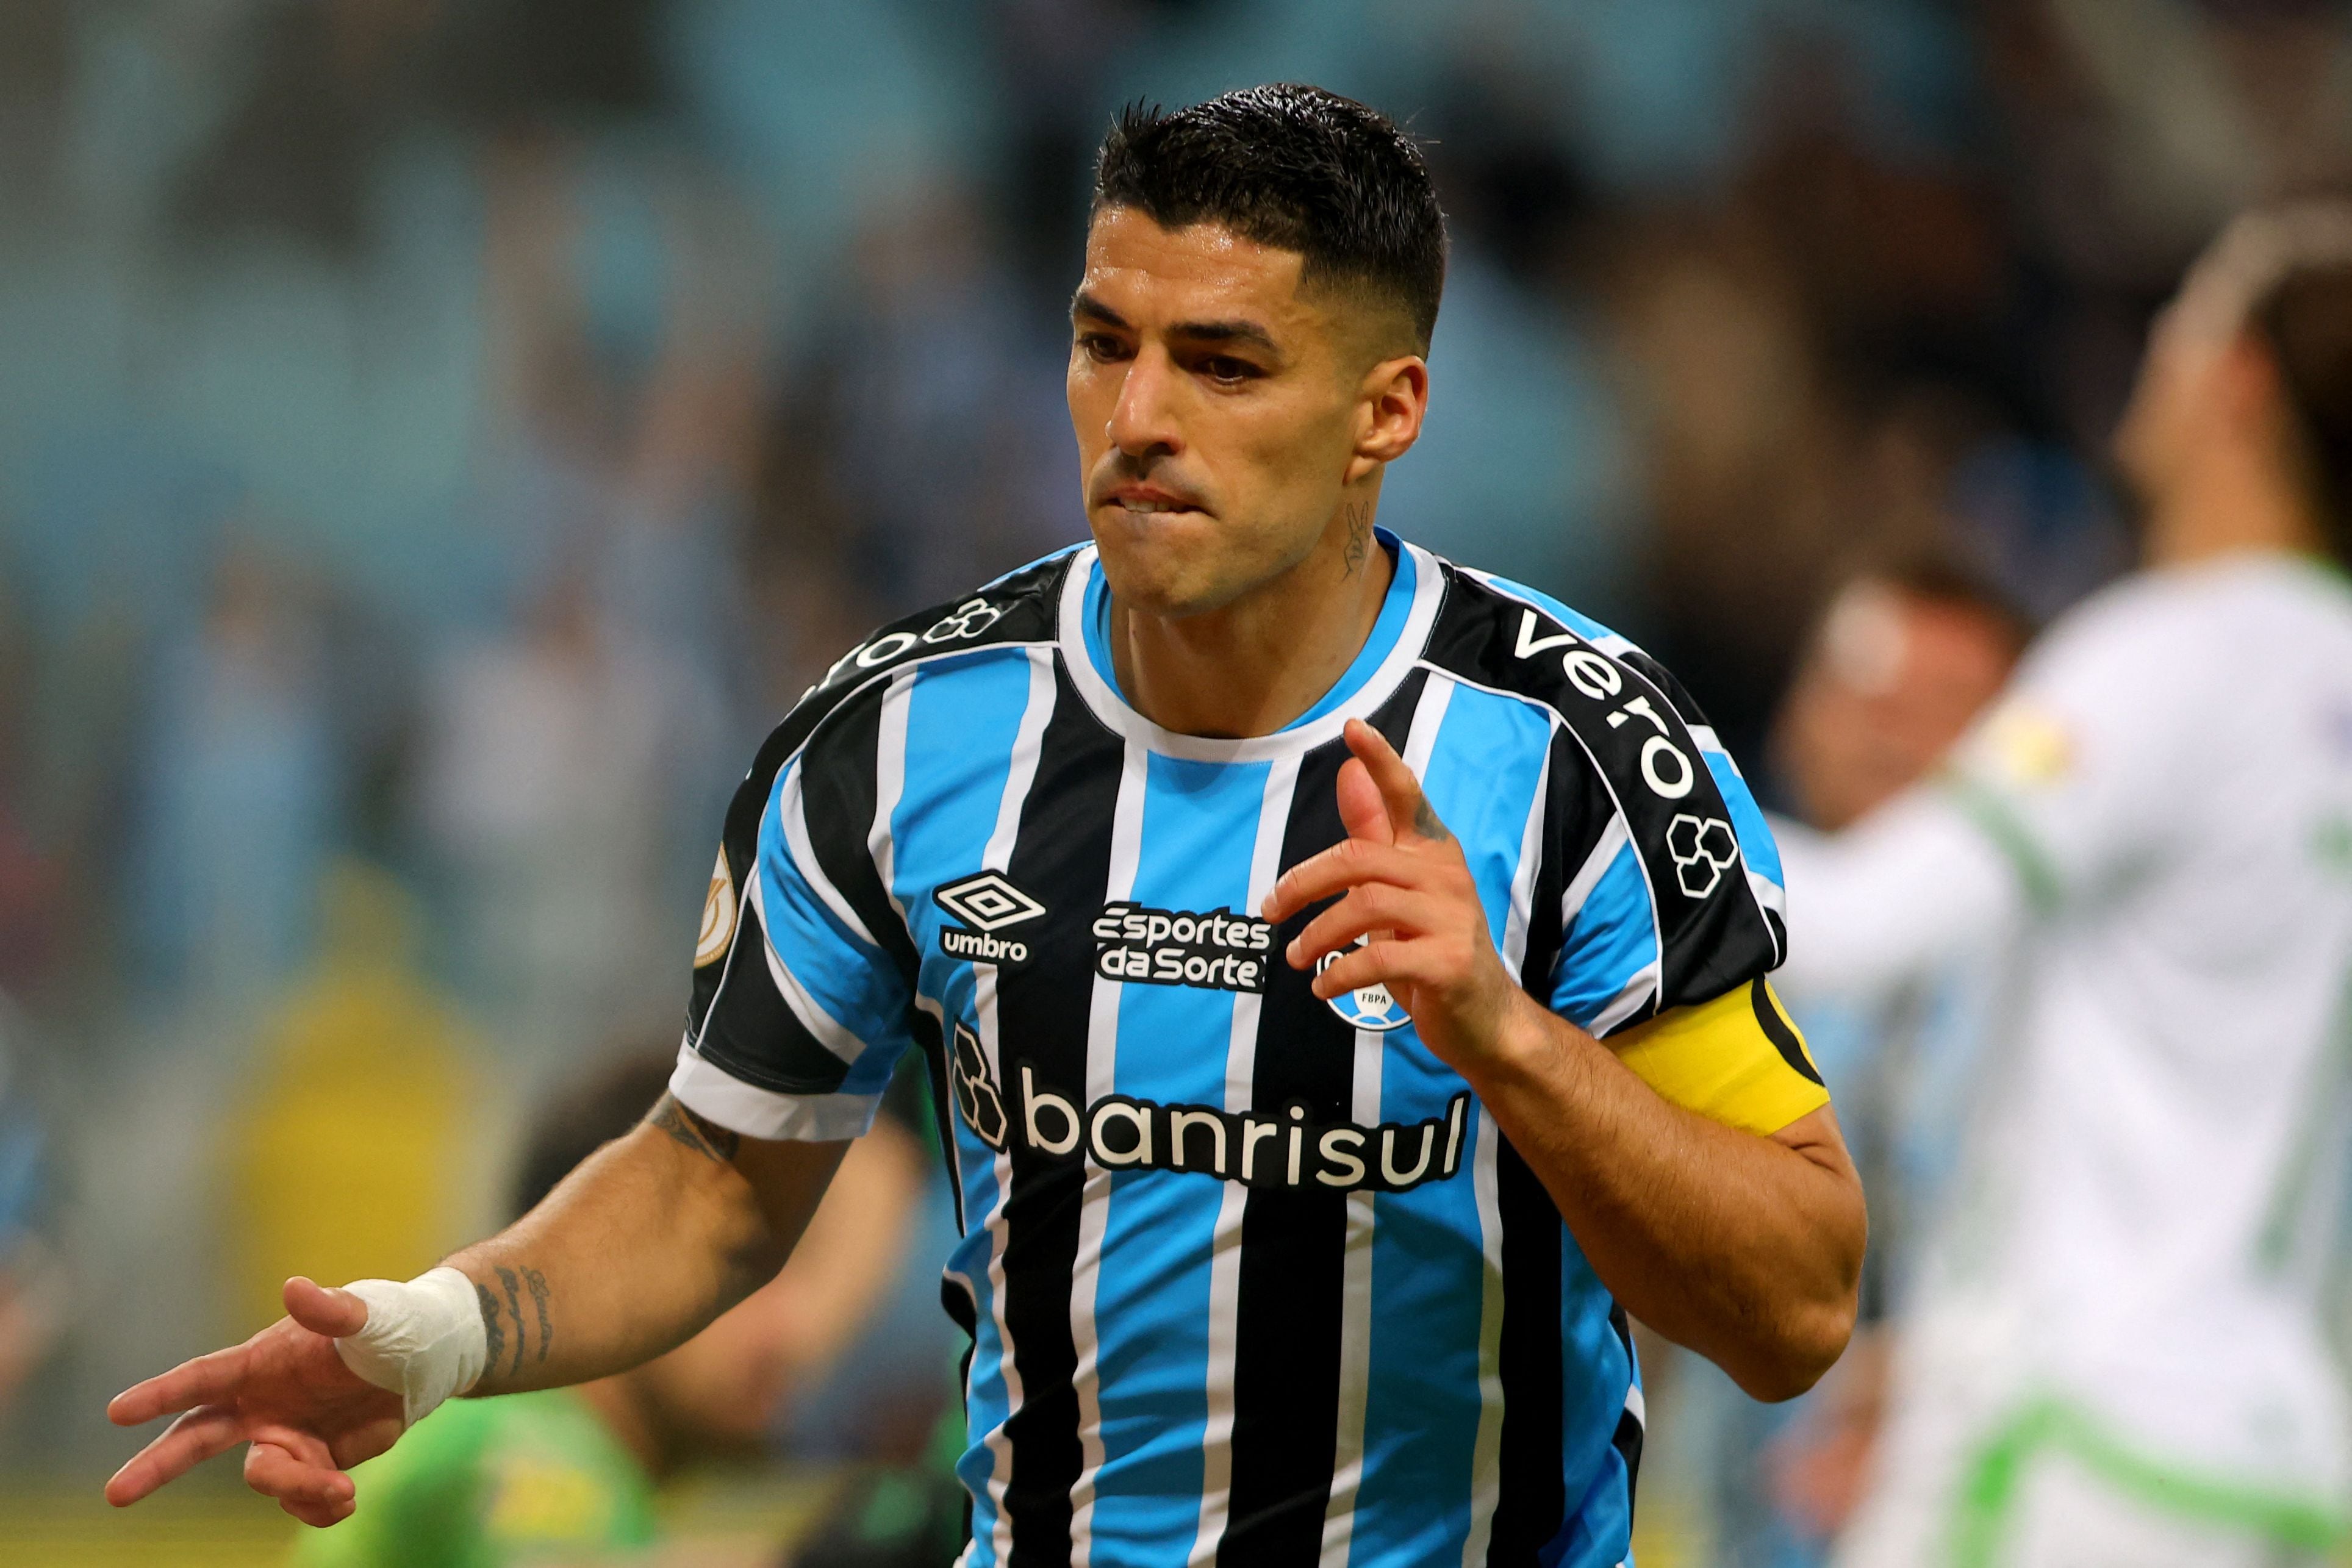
(1377, 963)
(1376, 908)
(206, 1380)
(1351, 862)
(189, 1441)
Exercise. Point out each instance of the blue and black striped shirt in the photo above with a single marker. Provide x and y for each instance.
(1250, 1277)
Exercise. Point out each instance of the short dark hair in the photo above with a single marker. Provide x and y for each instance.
(2305, 320)
(1297, 168)
(576, 1124)
(1946, 574)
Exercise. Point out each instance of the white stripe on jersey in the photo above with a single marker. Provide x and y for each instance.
(1638, 991)
(1485, 1478)
(1225, 1248)
(1523, 876)
(827, 1029)
(1485, 1469)
(890, 783)
(1021, 772)
(1613, 838)
(793, 810)
(1094, 1210)
(1356, 1267)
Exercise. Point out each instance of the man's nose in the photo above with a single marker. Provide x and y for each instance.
(1143, 420)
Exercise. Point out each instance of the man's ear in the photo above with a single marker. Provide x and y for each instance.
(1391, 402)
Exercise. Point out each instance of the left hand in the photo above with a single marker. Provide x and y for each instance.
(1410, 892)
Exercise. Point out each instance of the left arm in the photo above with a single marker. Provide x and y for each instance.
(1746, 1247)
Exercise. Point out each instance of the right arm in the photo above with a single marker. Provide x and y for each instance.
(634, 1252)
(803, 991)
(648, 1241)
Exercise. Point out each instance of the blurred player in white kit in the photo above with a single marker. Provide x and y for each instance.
(2116, 1358)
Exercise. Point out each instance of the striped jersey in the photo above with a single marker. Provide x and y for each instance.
(1251, 1277)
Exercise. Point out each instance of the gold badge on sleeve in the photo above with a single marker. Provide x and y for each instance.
(718, 915)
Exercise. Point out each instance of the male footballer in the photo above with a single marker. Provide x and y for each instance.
(1342, 973)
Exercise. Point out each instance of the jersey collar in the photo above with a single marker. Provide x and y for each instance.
(1407, 613)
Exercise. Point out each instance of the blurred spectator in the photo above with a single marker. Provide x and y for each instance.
(1903, 662)
(2117, 1353)
(548, 781)
(950, 447)
(1908, 654)
(242, 787)
(28, 878)
(33, 1294)
(569, 1475)
(348, 1154)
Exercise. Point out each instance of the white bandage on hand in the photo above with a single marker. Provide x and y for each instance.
(423, 1340)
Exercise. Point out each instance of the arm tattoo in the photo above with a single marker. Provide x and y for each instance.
(704, 1137)
(498, 1318)
(514, 1311)
(536, 1283)
(490, 1329)
(1360, 535)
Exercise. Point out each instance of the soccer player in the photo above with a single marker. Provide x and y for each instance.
(2118, 1356)
(1261, 890)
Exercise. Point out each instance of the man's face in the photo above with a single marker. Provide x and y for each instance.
(1218, 408)
(1892, 684)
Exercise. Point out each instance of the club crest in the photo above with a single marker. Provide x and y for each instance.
(1366, 1007)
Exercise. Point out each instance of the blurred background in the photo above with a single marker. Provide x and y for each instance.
(437, 439)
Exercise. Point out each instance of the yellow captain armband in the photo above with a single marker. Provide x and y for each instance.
(1737, 1060)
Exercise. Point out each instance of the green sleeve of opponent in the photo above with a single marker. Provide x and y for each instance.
(494, 1483)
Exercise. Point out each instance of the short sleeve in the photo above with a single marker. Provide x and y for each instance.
(1672, 912)
(804, 978)
(1669, 890)
(2078, 772)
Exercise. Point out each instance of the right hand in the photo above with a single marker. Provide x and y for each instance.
(287, 1392)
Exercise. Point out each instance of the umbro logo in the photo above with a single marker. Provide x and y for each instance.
(986, 904)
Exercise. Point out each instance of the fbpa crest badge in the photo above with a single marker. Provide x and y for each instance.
(1366, 1007)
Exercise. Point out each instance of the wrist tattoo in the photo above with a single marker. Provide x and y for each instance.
(514, 1311)
(503, 1322)
(703, 1136)
(536, 1283)
(491, 1330)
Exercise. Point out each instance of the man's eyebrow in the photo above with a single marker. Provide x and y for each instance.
(1085, 305)
(1226, 332)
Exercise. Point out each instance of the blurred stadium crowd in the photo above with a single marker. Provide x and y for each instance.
(436, 440)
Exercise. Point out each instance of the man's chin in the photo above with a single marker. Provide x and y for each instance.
(1159, 570)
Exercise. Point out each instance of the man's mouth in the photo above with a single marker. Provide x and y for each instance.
(1143, 500)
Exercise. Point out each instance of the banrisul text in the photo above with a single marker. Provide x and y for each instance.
(1288, 1148)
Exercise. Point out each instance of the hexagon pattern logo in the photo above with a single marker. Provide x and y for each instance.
(1703, 848)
